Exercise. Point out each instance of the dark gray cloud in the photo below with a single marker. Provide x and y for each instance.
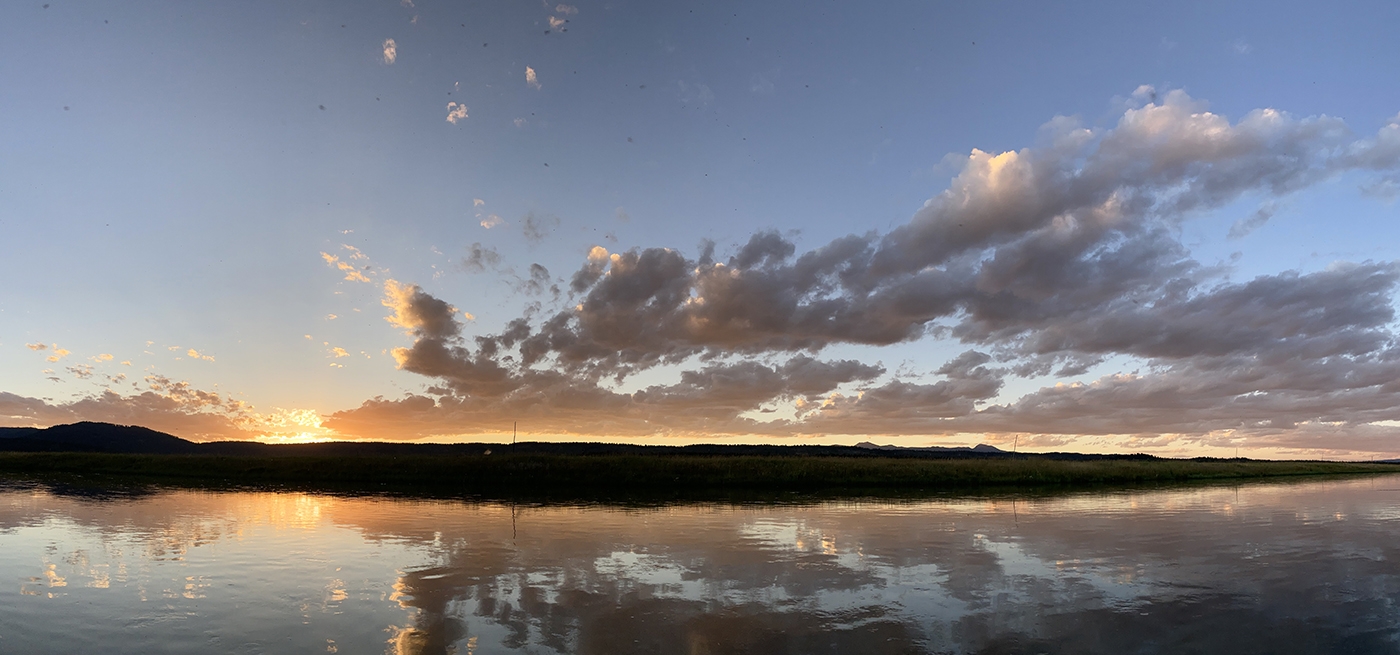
(536, 228)
(481, 258)
(1048, 260)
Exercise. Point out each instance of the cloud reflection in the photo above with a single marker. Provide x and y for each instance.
(1257, 569)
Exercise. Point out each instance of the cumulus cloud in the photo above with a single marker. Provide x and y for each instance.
(456, 112)
(1042, 261)
(391, 51)
(531, 79)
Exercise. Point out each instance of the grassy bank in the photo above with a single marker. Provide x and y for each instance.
(581, 475)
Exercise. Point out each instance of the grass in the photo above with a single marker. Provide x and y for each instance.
(581, 476)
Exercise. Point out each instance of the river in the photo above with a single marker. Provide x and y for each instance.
(1292, 567)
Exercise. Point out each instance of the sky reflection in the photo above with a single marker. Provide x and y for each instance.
(1276, 568)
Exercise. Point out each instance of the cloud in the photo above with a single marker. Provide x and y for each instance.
(1245, 226)
(36, 346)
(567, 10)
(491, 221)
(1043, 261)
(391, 51)
(418, 313)
(104, 357)
(339, 352)
(58, 353)
(539, 282)
(531, 79)
(536, 228)
(761, 84)
(195, 354)
(480, 258)
(456, 112)
(694, 93)
(352, 274)
(555, 22)
(166, 405)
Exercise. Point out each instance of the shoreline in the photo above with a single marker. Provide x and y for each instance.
(584, 477)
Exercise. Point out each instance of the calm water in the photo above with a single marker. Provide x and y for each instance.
(1263, 568)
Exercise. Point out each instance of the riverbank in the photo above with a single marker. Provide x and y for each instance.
(507, 474)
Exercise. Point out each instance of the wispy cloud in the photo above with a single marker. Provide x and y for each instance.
(532, 79)
(352, 273)
(536, 228)
(1245, 226)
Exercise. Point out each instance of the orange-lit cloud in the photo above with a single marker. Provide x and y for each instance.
(1042, 262)
(391, 51)
(456, 112)
(352, 273)
(531, 79)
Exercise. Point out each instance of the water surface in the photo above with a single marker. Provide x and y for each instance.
(1308, 567)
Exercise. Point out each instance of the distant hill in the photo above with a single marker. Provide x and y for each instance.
(979, 448)
(16, 433)
(92, 437)
(108, 438)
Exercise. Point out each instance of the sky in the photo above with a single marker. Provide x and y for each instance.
(1166, 228)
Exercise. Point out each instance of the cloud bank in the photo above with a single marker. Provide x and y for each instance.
(1047, 260)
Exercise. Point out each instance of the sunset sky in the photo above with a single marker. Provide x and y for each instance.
(1168, 229)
